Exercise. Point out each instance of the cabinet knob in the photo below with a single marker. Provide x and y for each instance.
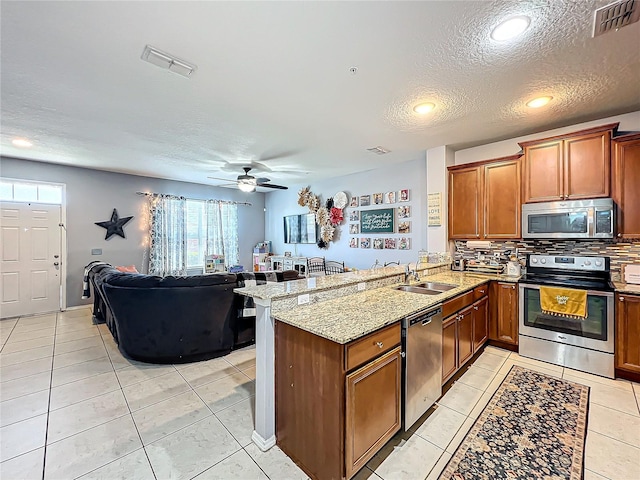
(477, 235)
(622, 299)
(481, 291)
(475, 308)
(513, 287)
(380, 344)
(619, 235)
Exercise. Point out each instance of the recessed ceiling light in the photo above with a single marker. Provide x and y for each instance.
(510, 28)
(424, 108)
(539, 102)
(21, 142)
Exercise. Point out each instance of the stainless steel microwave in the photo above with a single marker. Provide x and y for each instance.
(569, 219)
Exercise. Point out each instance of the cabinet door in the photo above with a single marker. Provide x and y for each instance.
(449, 347)
(628, 332)
(502, 202)
(372, 409)
(465, 197)
(587, 166)
(626, 179)
(480, 322)
(465, 335)
(507, 313)
(543, 172)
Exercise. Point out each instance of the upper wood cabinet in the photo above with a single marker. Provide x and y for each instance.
(572, 166)
(626, 184)
(484, 199)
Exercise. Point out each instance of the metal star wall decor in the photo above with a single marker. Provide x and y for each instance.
(114, 226)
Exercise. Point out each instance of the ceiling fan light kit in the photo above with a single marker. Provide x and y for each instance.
(248, 183)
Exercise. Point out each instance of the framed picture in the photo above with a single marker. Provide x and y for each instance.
(404, 211)
(354, 201)
(365, 243)
(353, 242)
(377, 199)
(404, 195)
(365, 200)
(389, 243)
(390, 197)
(404, 227)
(354, 216)
(378, 243)
(404, 244)
(354, 228)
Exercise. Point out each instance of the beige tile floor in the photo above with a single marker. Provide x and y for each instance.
(71, 406)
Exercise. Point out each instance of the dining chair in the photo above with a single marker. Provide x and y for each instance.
(332, 267)
(315, 265)
(387, 264)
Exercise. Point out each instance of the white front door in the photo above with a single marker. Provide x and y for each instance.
(30, 266)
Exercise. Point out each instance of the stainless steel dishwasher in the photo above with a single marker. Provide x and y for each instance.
(422, 347)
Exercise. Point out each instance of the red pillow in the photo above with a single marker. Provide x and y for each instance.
(127, 269)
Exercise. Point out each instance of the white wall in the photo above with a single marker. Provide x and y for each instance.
(411, 175)
(628, 122)
(438, 159)
(93, 194)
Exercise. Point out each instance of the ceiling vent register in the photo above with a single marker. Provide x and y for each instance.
(615, 16)
(166, 61)
(378, 150)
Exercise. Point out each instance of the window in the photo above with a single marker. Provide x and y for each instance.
(20, 191)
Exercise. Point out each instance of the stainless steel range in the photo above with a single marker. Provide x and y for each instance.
(584, 344)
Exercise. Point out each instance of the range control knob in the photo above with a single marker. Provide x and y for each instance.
(587, 263)
(543, 260)
(598, 263)
(534, 260)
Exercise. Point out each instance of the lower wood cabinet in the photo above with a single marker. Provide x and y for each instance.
(503, 325)
(627, 351)
(464, 332)
(336, 405)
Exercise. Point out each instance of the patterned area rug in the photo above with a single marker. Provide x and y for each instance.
(533, 427)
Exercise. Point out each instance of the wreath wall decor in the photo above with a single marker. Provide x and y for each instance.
(328, 215)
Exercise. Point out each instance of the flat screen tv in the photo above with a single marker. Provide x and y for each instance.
(300, 228)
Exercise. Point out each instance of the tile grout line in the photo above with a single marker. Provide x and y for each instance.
(46, 431)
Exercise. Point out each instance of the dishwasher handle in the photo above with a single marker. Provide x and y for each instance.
(425, 318)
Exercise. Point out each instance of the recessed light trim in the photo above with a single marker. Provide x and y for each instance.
(22, 143)
(510, 28)
(424, 108)
(539, 102)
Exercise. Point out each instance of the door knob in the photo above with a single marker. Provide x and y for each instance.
(56, 256)
(56, 264)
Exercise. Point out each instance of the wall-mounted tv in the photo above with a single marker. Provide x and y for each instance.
(300, 228)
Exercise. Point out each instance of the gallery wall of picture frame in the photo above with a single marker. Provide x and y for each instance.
(381, 214)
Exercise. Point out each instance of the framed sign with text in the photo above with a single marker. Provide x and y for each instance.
(377, 221)
(434, 209)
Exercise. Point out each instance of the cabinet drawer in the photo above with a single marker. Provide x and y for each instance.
(458, 303)
(480, 291)
(363, 350)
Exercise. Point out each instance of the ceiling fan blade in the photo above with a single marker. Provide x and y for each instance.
(271, 185)
(224, 179)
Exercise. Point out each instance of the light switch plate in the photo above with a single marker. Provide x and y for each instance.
(96, 251)
(362, 286)
(302, 299)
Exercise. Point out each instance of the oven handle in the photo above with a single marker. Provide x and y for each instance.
(589, 292)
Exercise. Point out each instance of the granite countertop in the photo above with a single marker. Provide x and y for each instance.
(348, 318)
(325, 282)
(622, 287)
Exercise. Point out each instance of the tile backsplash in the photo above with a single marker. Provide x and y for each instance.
(620, 252)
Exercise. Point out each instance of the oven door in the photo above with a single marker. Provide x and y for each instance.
(594, 332)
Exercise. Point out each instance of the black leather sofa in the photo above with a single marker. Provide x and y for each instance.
(176, 319)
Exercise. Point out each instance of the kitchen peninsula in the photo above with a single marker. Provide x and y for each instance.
(329, 317)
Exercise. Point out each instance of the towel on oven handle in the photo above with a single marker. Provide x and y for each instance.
(564, 302)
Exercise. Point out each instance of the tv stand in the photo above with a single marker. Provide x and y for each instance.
(281, 262)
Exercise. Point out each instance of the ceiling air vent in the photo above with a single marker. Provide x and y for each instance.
(379, 150)
(615, 16)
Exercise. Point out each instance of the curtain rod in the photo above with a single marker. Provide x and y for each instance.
(229, 202)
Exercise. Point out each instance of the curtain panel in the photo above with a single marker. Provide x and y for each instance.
(221, 237)
(168, 235)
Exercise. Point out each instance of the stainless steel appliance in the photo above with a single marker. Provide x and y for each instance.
(569, 219)
(582, 344)
(422, 347)
(459, 264)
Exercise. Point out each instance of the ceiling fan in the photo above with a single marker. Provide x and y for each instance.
(248, 183)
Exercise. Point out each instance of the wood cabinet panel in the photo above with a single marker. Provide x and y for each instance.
(363, 350)
(507, 321)
(626, 182)
(449, 347)
(481, 291)
(465, 196)
(372, 409)
(457, 303)
(502, 202)
(480, 322)
(465, 335)
(587, 166)
(543, 172)
(627, 352)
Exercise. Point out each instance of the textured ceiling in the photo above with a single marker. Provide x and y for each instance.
(273, 85)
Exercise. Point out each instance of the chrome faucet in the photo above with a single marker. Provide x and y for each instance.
(411, 273)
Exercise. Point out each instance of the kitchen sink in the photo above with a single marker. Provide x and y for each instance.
(441, 287)
(417, 289)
